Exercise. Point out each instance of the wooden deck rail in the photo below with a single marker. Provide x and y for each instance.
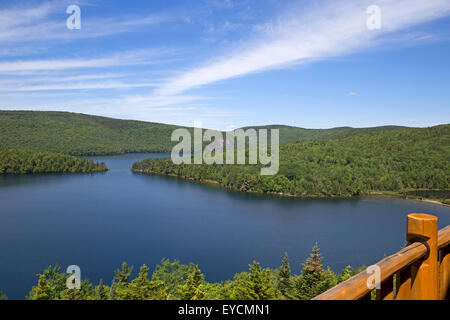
(421, 271)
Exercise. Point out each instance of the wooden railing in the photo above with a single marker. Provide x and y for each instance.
(421, 271)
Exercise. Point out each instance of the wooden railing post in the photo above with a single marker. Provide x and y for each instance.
(424, 273)
(403, 284)
(444, 274)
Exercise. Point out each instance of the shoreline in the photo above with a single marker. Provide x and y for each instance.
(285, 195)
(381, 194)
(117, 154)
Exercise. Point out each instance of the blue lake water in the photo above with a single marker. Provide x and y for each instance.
(97, 221)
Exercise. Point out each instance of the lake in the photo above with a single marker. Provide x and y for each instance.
(97, 221)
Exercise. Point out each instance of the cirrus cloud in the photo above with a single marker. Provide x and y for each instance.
(301, 36)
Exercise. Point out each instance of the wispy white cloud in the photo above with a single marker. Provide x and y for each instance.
(27, 23)
(59, 79)
(25, 14)
(119, 59)
(76, 86)
(159, 101)
(15, 51)
(301, 36)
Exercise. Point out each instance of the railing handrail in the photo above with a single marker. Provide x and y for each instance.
(356, 287)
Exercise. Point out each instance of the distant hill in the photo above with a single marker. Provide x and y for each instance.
(290, 134)
(80, 134)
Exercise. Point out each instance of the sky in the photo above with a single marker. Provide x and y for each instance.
(230, 63)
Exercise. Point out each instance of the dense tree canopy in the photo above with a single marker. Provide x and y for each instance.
(79, 134)
(30, 162)
(290, 134)
(172, 280)
(358, 164)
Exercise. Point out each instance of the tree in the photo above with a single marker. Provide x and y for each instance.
(123, 276)
(72, 294)
(3, 296)
(193, 288)
(112, 293)
(314, 279)
(86, 292)
(43, 291)
(102, 292)
(172, 274)
(51, 283)
(349, 272)
(345, 274)
(255, 285)
(314, 262)
(284, 278)
(142, 288)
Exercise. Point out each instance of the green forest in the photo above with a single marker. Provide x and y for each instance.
(79, 134)
(398, 161)
(290, 134)
(172, 280)
(14, 161)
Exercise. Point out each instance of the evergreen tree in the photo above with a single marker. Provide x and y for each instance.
(113, 294)
(102, 293)
(72, 294)
(284, 278)
(142, 288)
(123, 276)
(314, 262)
(255, 285)
(314, 279)
(172, 274)
(53, 278)
(194, 286)
(345, 274)
(43, 291)
(86, 292)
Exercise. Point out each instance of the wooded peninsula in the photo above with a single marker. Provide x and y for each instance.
(405, 161)
(13, 161)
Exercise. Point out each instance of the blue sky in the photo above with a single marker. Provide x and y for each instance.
(230, 63)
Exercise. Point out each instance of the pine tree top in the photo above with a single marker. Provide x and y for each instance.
(314, 262)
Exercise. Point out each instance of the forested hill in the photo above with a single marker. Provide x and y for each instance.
(290, 134)
(395, 160)
(31, 162)
(79, 134)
